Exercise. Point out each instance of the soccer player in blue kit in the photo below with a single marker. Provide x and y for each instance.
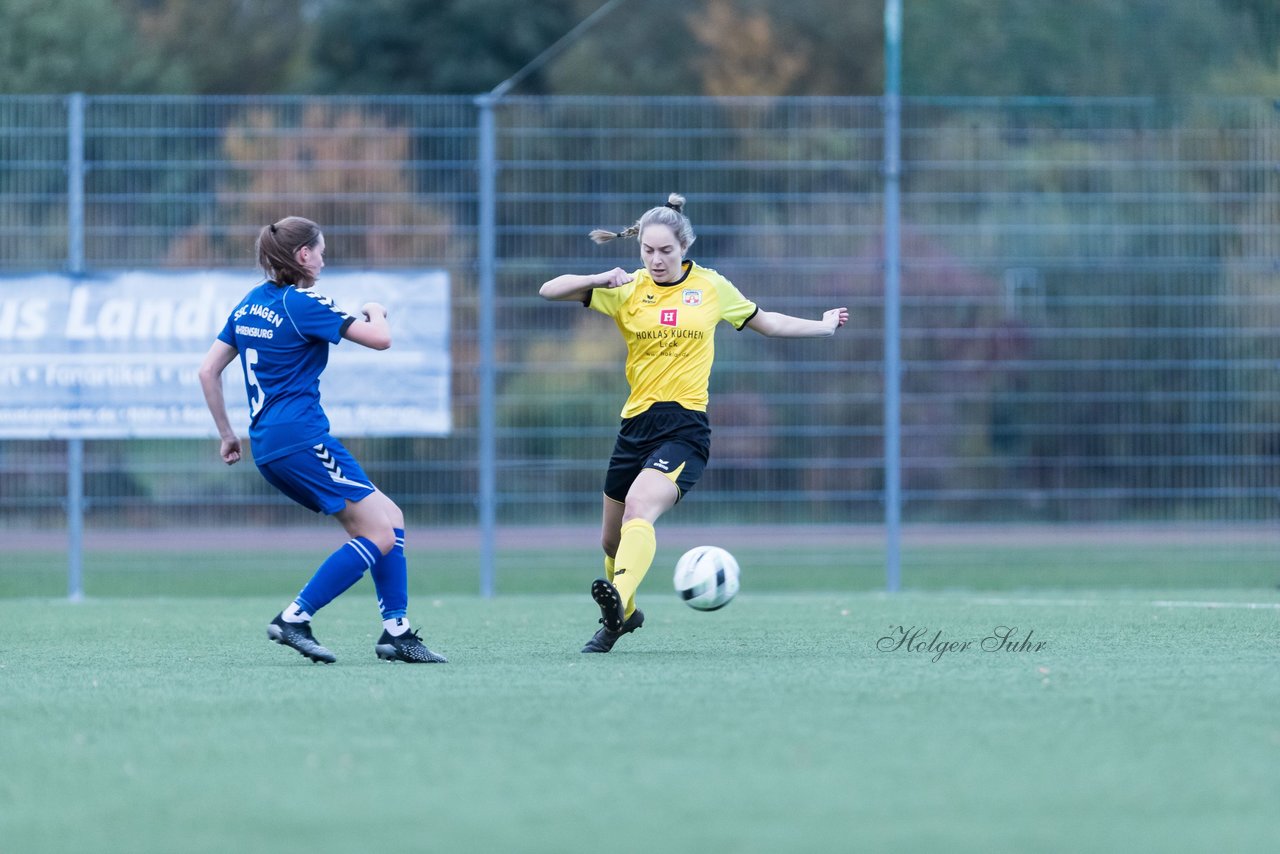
(281, 332)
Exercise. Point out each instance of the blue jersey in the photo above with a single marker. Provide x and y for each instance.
(283, 336)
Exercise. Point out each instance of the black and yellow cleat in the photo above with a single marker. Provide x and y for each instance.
(610, 602)
(604, 639)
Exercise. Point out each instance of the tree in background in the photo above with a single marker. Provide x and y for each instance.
(1085, 47)
(225, 46)
(1253, 73)
(151, 46)
(1265, 18)
(643, 47)
(771, 47)
(638, 49)
(741, 53)
(57, 46)
(728, 47)
(448, 46)
(349, 166)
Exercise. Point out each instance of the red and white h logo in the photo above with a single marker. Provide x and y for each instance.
(667, 317)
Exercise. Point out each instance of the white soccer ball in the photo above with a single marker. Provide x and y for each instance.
(706, 578)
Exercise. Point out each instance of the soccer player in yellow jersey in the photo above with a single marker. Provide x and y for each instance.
(667, 313)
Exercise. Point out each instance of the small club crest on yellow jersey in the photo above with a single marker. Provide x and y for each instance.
(692, 297)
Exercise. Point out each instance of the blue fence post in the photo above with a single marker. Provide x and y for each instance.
(892, 294)
(75, 266)
(485, 310)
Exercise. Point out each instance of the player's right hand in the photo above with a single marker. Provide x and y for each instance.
(615, 278)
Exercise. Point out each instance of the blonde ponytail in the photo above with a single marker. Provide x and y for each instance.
(599, 235)
(670, 214)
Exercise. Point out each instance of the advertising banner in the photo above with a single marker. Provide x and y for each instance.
(117, 356)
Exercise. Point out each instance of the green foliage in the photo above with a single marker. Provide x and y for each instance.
(672, 47)
(1084, 47)
(618, 56)
(1264, 16)
(56, 46)
(449, 46)
(225, 46)
(728, 47)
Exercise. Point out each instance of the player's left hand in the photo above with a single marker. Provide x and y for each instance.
(836, 317)
(230, 450)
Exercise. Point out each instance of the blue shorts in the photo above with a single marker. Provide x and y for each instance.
(322, 478)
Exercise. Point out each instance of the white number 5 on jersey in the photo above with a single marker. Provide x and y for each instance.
(259, 396)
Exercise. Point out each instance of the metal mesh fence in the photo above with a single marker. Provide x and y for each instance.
(1089, 297)
(783, 197)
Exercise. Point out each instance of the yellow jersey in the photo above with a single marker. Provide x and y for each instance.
(669, 329)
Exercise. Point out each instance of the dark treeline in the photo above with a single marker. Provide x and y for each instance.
(679, 47)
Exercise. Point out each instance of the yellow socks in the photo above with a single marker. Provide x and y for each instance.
(635, 556)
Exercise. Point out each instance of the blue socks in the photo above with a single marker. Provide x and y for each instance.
(391, 580)
(342, 569)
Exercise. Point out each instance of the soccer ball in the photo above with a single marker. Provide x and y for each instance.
(706, 578)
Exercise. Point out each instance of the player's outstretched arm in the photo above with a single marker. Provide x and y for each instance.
(374, 331)
(572, 287)
(774, 324)
(215, 362)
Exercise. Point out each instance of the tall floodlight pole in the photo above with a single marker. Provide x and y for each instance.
(487, 225)
(892, 294)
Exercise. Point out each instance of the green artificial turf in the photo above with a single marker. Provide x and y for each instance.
(1147, 721)
(792, 567)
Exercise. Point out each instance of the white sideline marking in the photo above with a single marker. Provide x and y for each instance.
(1182, 604)
(1159, 603)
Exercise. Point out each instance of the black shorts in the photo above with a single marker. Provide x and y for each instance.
(667, 438)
